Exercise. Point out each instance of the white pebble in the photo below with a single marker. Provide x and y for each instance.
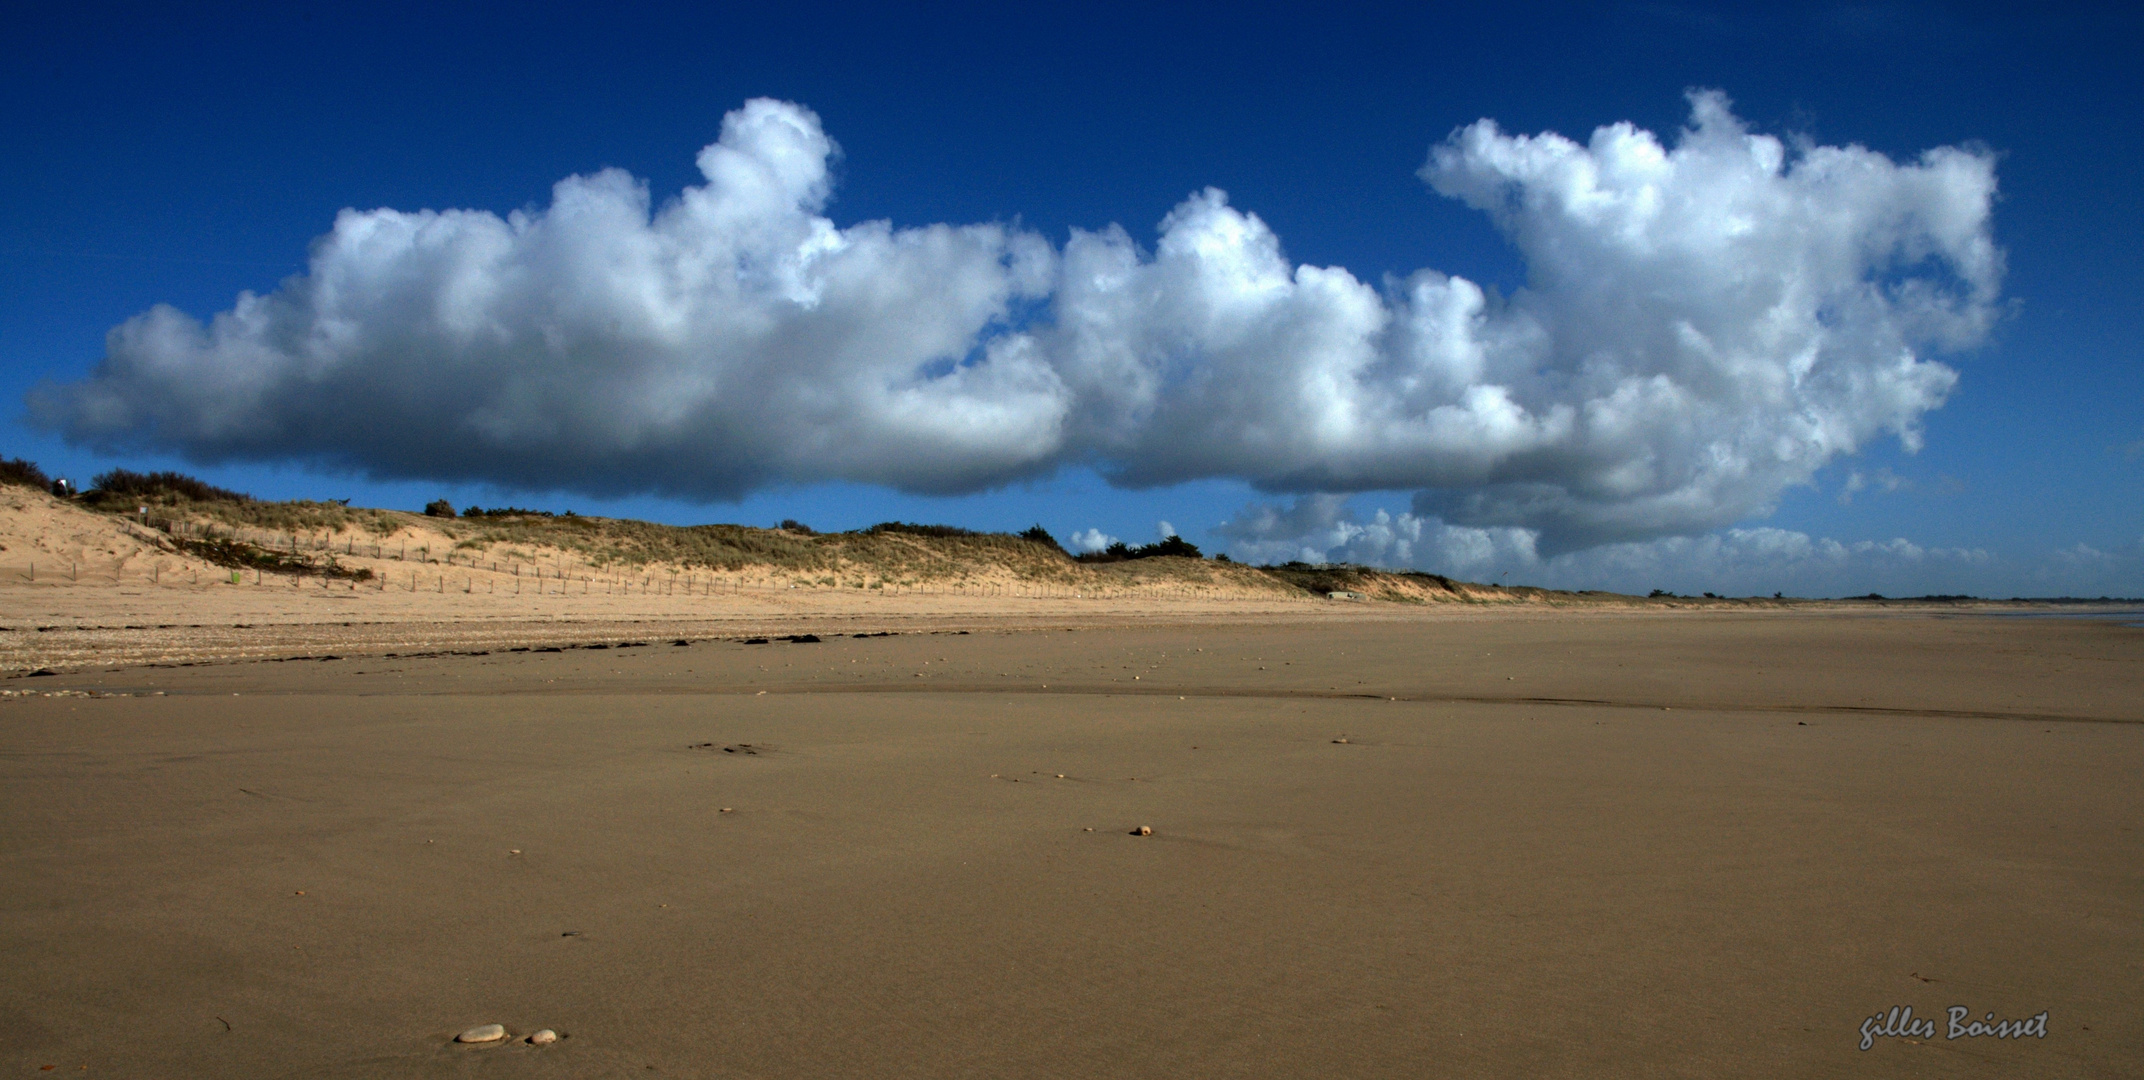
(1143, 830)
(543, 1038)
(482, 1033)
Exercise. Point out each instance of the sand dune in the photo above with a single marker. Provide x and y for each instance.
(81, 587)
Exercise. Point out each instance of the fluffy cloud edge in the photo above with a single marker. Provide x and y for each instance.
(1710, 319)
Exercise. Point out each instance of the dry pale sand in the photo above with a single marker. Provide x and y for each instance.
(1568, 845)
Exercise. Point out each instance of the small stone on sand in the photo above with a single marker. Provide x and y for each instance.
(482, 1033)
(1143, 830)
(543, 1038)
(1338, 741)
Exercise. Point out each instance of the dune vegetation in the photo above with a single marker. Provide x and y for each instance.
(330, 537)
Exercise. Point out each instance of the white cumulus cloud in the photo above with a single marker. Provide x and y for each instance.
(733, 338)
(1091, 540)
(1707, 321)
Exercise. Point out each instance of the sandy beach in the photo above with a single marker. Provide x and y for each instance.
(1491, 844)
(1091, 542)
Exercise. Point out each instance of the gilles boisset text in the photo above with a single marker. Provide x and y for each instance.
(1899, 1023)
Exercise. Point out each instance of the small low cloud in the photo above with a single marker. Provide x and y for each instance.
(1090, 540)
(1882, 480)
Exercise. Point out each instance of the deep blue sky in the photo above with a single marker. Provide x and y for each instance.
(180, 158)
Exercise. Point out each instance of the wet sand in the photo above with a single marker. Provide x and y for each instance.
(1552, 845)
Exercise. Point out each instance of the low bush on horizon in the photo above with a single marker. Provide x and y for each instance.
(1040, 535)
(24, 473)
(506, 512)
(917, 530)
(166, 487)
(1121, 552)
